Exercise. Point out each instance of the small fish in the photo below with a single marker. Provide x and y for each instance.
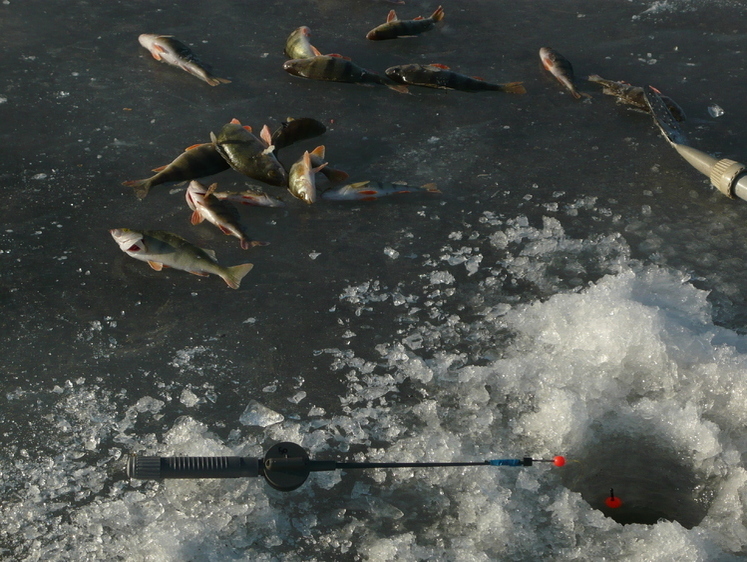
(224, 215)
(440, 76)
(394, 27)
(369, 191)
(249, 197)
(197, 161)
(249, 155)
(166, 48)
(295, 130)
(634, 95)
(297, 45)
(335, 68)
(301, 182)
(317, 161)
(165, 249)
(560, 67)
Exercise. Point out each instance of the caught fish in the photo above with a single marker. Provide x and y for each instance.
(561, 68)
(394, 28)
(164, 249)
(317, 161)
(634, 95)
(249, 155)
(442, 77)
(301, 182)
(168, 49)
(297, 46)
(197, 161)
(249, 197)
(370, 190)
(335, 68)
(224, 215)
(294, 130)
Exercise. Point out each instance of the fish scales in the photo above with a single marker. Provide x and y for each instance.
(196, 162)
(394, 28)
(439, 76)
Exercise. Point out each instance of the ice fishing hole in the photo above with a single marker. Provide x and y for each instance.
(653, 480)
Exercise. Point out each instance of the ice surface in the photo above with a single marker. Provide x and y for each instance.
(574, 290)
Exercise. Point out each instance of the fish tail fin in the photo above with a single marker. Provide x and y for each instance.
(234, 274)
(141, 187)
(514, 88)
(399, 88)
(438, 15)
(335, 175)
(213, 81)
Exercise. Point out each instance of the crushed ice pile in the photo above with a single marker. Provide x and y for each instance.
(516, 341)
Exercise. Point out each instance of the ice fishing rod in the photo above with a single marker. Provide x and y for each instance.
(285, 466)
(728, 176)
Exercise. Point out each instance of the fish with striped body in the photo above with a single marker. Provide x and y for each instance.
(561, 68)
(394, 28)
(295, 130)
(168, 49)
(634, 95)
(224, 215)
(249, 155)
(442, 77)
(335, 68)
(165, 249)
(301, 181)
(297, 46)
(371, 190)
(197, 161)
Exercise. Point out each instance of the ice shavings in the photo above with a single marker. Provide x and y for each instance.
(260, 415)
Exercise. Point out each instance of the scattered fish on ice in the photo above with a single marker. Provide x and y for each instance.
(371, 190)
(168, 49)
(634, 95)
(394, 27)
(197, 161)
(297, 46)
(249, 155)
(442, 77)
(249, 197)
(301, 182)
(293, 130)
(561, 68)
(221, 213)
(336, 68)
(165, 249)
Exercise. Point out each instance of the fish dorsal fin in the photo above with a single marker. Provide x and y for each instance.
(266, 137)
(159, 169)
(338, 56)
(359, 185)
(418, 18)
(211, 254)
(235, 121)
(319, 151)
(439, 65)
(192, 147)
(391, 16)
(247, 127)
(479, 78)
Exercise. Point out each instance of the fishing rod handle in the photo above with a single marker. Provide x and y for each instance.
(156, 468)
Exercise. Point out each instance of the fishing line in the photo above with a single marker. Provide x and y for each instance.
(285, 466)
